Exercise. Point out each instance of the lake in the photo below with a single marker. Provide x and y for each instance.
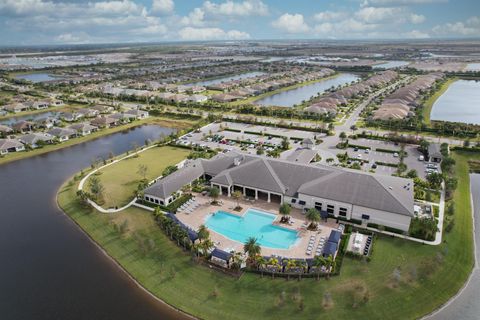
(459, 103)
(391, 64)
(295, 96)
(38, 77)
(31, 117)
(228, 78)
(49, 268)
(473, 67)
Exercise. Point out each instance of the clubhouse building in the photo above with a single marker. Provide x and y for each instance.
(335, 192)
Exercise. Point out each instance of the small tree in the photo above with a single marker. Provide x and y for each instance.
(285, 143)
(343, 136)
(313, 216)
(96, 187)
(142, 171)
(285, 211)
(237, 195)
(214, 193)
(252, 248)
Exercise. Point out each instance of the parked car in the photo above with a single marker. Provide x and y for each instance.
(395, 155)
(421, 158)
(367, 151)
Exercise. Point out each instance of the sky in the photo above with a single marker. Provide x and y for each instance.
(36, 22)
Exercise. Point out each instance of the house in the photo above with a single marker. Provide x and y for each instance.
(196, 89)
(103, 109)
(104, 122)
(221, 258)
(88, 112)
(5, 130)
(334, 191)
(10, 145)
(139, 114)
(83, 129)
(198, 98)
(16, 107)
(63, 134)
(47, 123)
(40, 104)
(434, 154)
(36, 139)
(71, 116)
(23, 126)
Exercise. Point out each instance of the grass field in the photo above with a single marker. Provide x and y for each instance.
(404, 280)
(49, 148)
(121, 179)
(427, 106)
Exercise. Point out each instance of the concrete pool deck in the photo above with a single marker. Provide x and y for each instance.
(298, 250)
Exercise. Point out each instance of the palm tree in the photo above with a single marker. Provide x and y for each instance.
(273, 262)
(214, 193)
(203, 233)
(330, 264)
(313, 216)
(252, 248)
(260, 261)
(285, 211)
(318, 262)
(237, 195)
(206, 245)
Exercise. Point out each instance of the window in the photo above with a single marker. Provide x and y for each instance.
(161, 202)
(301, 202)
(330, 209)
(342, 212)
(294, 200)
(365, 217)
(156, 200)
(318, 206)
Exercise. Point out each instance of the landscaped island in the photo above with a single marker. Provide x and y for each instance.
(401, 280)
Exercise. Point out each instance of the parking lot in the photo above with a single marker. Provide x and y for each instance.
(376, 155)
(226, 135)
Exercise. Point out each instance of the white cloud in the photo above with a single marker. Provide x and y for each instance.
(415, 34)
(190, 33)
(194, 18)
(367, 3)
(239, 9)
(379, 15)
(163, 6)
(116, 7)
(329, 16)
(291, 23)
(70, 38)
(471, 27)
(417, 18)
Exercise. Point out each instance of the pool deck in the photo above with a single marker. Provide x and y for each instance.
(298, 250)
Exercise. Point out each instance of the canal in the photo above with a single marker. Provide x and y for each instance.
(295, 96)
(49, 268)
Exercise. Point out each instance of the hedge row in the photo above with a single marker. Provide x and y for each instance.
(386, 164)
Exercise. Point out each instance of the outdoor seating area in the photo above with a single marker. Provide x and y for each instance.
(189, 206)
(360, 244)
(319, 247)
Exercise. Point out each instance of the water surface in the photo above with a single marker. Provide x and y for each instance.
(295, 96)
(31, 117)
(391, 64)
(459, 103)
(49, 268)
(228, 78)
(38, 77)
(473, 67)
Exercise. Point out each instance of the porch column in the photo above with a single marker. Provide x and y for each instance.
(256, 194)
(268, 197)
(244, 191)
(228, 191)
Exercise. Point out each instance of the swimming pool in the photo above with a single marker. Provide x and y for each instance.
(253, 223)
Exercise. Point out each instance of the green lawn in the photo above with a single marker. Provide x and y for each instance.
(427, 106)
(121, 179)
(427, 276)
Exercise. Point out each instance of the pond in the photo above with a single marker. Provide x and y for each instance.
(228, 78)
(31, 117)
(459, 103)
(391, 64)
(473, 67)
(295, 96)
(36, 77)
(50, 269)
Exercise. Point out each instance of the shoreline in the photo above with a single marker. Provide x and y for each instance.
(428, 105)
(115, 262)
(15, 156)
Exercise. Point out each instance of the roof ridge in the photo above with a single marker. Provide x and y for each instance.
(274, 174)
(375, 178)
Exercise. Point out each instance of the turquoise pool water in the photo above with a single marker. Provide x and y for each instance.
(253, 223)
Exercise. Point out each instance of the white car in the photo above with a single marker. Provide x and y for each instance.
(421, 158)
(395, 155)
